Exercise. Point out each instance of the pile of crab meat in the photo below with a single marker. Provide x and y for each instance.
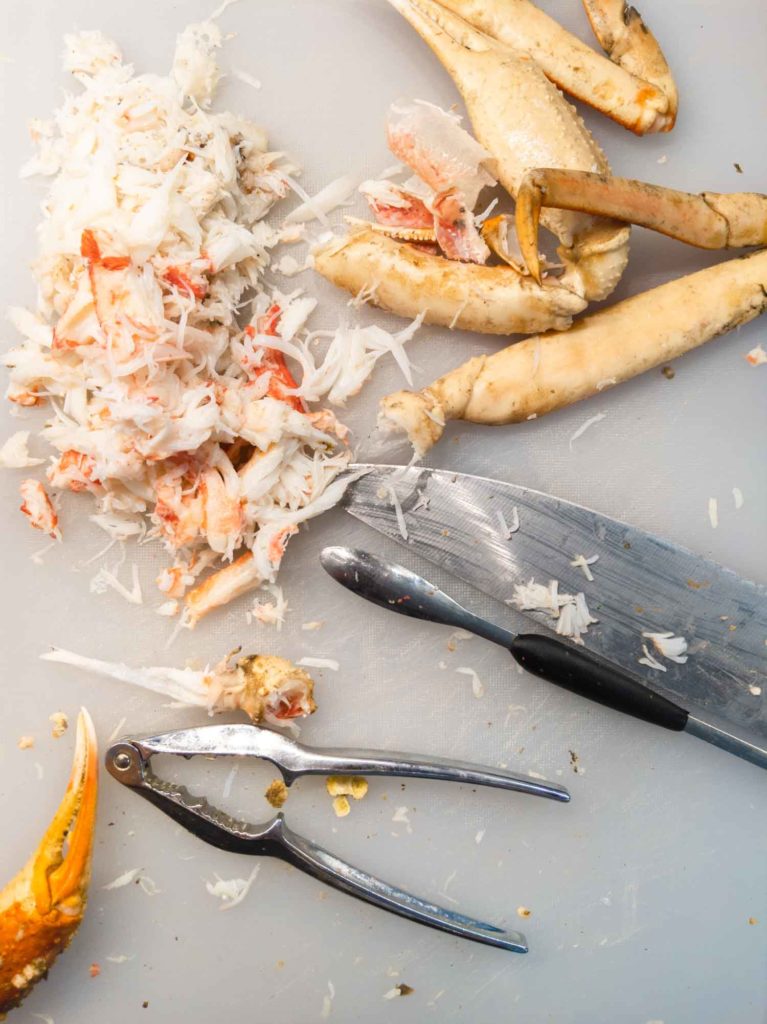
(433, 209)
(182, 389)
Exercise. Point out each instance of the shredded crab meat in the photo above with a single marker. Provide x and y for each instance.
(396, 504)
(233, 890)
(581, 562)
(37, 507)
(507, 529)
(571, 611)
(757, 356)
(154, 239)
(650, 660)
(477, 687)
(669, 646)
(14, 454)
(266, 687)
(270, 613)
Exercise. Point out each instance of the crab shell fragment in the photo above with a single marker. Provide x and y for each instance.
(42, 907)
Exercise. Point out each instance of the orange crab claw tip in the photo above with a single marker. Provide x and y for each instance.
(61, 881)
(42, 907)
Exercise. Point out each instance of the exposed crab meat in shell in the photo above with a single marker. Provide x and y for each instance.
(266, 687)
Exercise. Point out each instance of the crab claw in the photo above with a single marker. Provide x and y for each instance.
(41, 908)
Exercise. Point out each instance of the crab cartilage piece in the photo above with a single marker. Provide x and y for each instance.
(443, 155)
(401, 232)
(710, 220)
(548, 372)
(42, 907)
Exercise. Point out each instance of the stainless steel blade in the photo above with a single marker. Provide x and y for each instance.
(642, 583)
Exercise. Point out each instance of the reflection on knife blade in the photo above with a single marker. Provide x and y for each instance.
(643, 585)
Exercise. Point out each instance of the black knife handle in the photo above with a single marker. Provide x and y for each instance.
(592, 677)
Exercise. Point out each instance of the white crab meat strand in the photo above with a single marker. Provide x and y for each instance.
(669, 646)
(583, 563)
(14, 454)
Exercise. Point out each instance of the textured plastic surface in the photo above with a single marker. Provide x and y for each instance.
(642, 888)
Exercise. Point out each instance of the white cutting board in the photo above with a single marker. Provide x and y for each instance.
(640, 889)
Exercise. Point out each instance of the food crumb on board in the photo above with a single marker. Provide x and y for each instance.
(59, 724)
(738, 168)
(94, 970)
(753, 920)
(575, 762)
(327, 1001)
(477, 687)
(346, 785)
(276, 793)
(755, 691)
(737, 497)
(314, 624)
(479, 836)
(399, 990)
(713, 512)
(26, 742)
(757, 356)
(524, 911)
(662, 159)
(145, 1005)
(341, 806)
(668, 372)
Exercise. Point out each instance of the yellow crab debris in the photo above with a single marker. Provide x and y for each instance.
(59, 724)
(346, 785)
(341, 806)
(276, 793)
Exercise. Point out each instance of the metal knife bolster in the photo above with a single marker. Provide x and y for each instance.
(642, 583)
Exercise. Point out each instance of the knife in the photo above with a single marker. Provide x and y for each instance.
(642, 583)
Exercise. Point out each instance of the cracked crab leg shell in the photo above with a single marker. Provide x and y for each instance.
(547, 372)
(407, 281)
(42, 907)
(711, 220)
(525, 122)
(633, 87)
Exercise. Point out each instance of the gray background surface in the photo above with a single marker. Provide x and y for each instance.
(642, 887)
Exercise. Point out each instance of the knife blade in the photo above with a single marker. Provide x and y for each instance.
(642, 583)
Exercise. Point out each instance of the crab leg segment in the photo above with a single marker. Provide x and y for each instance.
(541, 374)
(711, 220)
(404, 280)
(634, 87)
(42, 907)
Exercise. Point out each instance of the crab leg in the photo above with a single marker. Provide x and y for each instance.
(42, 907)
(519, 117)
(634, 87)
(711, 220)
(404, 280)
(544, 373)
